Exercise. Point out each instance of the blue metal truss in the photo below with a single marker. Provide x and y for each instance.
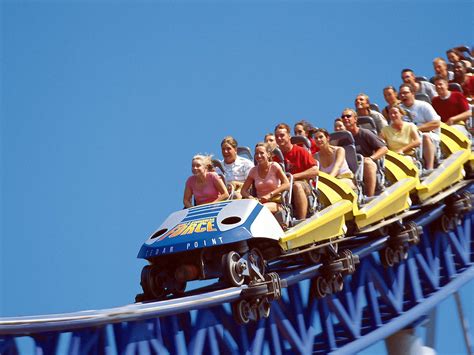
(374, 303)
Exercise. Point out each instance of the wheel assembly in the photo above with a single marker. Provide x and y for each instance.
(312, 257)
(387, 257)
(321, 287)
(257, 263)
(337, 283)
(242, 312)
(151, 282)
(233, 268)
(446, 223)
(264, 308)
(178, 288)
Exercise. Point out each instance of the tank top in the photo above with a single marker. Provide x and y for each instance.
(206, 192)
(268, 183)
(343, 170)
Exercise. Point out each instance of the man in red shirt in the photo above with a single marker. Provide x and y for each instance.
(299, 163)
(452, 106)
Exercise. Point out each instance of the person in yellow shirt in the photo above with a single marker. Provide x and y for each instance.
(401, 137)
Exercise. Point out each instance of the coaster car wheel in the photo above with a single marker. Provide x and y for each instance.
(264, 309)
(233, 269)
(321, 287)
(242, 311)
(312, 257)
(387, 257)
(152, 282)
(178, 288)
(337, 283)
(447, 223)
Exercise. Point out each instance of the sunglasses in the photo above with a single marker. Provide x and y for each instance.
(346, 116)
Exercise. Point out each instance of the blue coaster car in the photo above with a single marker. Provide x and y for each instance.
(229, 240)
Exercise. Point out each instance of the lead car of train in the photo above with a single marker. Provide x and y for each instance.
(234, 240)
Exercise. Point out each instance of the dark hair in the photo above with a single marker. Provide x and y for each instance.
(462, 63)
(457, 52)
(323, 131)
(308, 127)
(338, 119)
(407, 70)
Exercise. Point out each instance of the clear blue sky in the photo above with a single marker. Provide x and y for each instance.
(103, 104)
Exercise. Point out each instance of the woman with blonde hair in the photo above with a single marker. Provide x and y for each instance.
(205, 185)
(267, 177)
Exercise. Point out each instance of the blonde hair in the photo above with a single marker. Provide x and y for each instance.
(352, 110)
(364, 95)
(206, 160)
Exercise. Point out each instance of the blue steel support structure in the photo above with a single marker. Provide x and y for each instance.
(375, 303)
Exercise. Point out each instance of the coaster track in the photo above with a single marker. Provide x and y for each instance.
(376, 302)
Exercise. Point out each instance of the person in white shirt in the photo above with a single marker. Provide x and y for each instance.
(426, 119)
(236, 168)
(421, 87)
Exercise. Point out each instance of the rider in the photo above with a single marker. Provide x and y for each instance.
(205, 185)
(300, 163)
(236, 168)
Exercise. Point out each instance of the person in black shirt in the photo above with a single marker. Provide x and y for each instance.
(369, 145)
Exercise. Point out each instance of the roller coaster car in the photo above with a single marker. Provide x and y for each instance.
(229, 240)
(232, 241)
(447, 177)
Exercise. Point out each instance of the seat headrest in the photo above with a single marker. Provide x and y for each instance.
(301, 140)
(341, 138)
